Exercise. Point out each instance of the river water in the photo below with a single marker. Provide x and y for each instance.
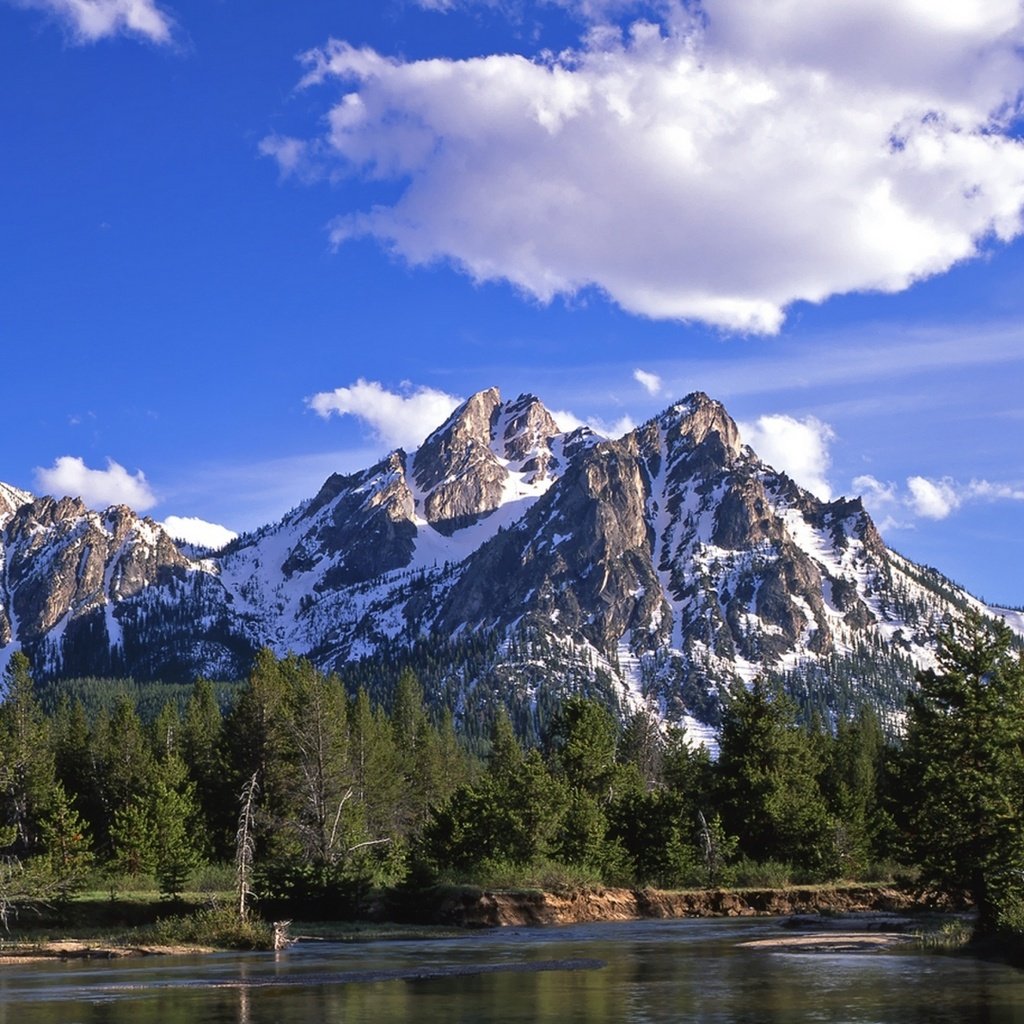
(646, 972)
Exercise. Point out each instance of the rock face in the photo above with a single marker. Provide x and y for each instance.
(515, 562)
(361, 525)
(11, 499)
(464, 468)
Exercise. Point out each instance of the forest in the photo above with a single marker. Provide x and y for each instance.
(310, 795)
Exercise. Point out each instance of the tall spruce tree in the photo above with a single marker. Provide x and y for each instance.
(27, 770)
(965, 771)
(767, 781)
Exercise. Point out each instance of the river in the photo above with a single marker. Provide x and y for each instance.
(646, 972)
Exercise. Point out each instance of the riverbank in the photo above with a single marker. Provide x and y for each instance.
(456, 908)
(80, 949)
(469, 907)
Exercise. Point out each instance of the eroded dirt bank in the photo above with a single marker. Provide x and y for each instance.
(495, 909)
(75, 949)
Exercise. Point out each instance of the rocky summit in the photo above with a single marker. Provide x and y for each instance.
(503, 560)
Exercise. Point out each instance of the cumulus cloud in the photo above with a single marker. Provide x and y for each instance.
(800, 448)
(568, 421)
(932, 499)
(651, 382)
(928, 498)
(713, 166)
(399, 420)
(882, 501)
(92, 20)
(196, 531)
(587, 10)
(98, 488)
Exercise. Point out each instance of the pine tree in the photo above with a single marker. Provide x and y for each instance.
(202, 734)
(133, 839)
(125, 756)
(27, 771)
(582, 746)
(767, 781)
(316, 723)
(965, 771)
(173, 814)
(66, 844)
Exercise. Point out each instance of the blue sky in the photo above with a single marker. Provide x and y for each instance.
(249, 244)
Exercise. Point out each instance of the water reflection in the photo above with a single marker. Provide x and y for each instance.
(654, 972)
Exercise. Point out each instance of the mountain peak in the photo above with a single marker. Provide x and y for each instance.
(697, 417)
(657, 568)
(486, 453)
(11, 499)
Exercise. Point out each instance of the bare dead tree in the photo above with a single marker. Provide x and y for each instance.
(245, 847)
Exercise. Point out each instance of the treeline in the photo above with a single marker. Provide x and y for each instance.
(317, 794)
(346, 794)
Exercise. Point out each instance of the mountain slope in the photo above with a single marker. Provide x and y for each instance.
(658, 567)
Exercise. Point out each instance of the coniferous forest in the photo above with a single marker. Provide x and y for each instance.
(310, 796)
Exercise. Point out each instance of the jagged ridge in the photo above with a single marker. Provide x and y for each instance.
(657, 567)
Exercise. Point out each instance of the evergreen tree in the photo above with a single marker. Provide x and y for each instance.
(642, 745)
(965, 768)
(582, 746)
(202, 732)
(318, 739)
(132, 839)
(173, 815)
(767, 781)
(27, 771)
(66, 845)
(166, 731)
(74, 757)
(418, 759)
(124, 755)
(855, 763)
(256, 743)
(376, 776)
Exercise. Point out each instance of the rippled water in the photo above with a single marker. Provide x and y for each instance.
(642, 972)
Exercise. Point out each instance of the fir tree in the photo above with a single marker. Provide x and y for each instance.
(965, 757)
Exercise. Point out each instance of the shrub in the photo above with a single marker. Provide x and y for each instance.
(213, 926)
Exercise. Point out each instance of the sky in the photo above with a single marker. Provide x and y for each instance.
(249, 244)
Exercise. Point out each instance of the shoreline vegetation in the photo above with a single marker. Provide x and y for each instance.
(878, 914)
(303, 802)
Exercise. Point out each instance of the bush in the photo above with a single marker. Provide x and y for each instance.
(212, 878)
(768, 874)
(213, 926)
(881, 871)
(545, 875)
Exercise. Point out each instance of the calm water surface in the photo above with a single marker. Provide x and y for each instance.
(643, 972)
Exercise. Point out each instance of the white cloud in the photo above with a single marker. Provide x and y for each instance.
(800, 448)
(651, 382)
(568, 421)
(716, 173)
(883, 502)
(293, 157)
(876, 493)
(98, 488)
(932, 499)
(587, 10)
(929, 498)
(192, 530)
(986, 490)
(92, 20)
(399, 420)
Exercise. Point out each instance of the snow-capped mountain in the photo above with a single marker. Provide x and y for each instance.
(502, 557)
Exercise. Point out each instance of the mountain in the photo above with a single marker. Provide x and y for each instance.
(504, 560)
